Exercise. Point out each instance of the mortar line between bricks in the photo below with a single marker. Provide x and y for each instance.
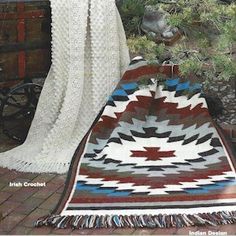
(4, 185)
(16, 177)
(55, 177)
(45, 199)
(38, 207)
(4, 173)
(8, 213)
(21, 226)
(33, 209)
(46, 187)
(24, 216)
(32, 193)
(52, 209)
(1, 188)
(6, 199)
(40, 175)
(18, 224)
(33, 228)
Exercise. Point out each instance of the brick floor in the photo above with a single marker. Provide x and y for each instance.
(51, 202)
(33, 216)
(20, 230)
(230, 229)
(185, 230)
(7, 207)
(170, 231)
(144, 232)
(4, 196)
(10, 221)
(82, 232)
(20, 207)
(23, 194)
(103, 231)
(123, 231)
(10, 176)
(41, 231)
(62, 231)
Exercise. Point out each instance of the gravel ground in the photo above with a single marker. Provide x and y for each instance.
(226, 93)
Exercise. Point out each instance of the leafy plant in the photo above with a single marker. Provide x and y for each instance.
(208, 45)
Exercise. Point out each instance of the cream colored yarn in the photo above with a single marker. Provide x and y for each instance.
(89, 55)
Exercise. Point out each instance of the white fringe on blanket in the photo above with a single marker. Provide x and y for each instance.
(89, 54)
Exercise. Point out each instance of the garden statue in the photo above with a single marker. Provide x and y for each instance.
(155, 24)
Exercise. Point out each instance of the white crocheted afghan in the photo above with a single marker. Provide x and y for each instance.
(89, 54)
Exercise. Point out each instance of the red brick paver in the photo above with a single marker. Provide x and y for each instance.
(4, 196)
(62, 231)
(20, 230)
(23, 194)
(29, 176)
(123, 231)
(230, 229)
(3, 171)
(10, 176)
(185, 230)
(169, 231)
(33, 216)
(10, 221)
(20, 207)
(144, 232)
(51, 202)
(7, 207)
(103, 231)
(41, 231)
(82, 232)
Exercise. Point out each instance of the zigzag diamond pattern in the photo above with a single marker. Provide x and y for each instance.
(154, 140)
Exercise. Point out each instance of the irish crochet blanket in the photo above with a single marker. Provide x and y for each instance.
(153, 158)
(89, 55)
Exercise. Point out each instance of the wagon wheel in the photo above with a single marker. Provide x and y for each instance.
(18, 109)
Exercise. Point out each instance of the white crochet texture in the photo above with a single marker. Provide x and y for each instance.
(89, 55)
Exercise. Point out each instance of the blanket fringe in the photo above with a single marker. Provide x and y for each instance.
(137, 221)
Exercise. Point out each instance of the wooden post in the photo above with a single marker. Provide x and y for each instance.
(25, 40)
(21, 39)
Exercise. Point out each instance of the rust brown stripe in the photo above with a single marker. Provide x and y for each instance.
(73, 169)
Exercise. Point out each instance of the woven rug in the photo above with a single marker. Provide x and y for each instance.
(153, 158)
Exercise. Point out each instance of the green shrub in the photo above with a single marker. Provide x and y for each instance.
(208, 45)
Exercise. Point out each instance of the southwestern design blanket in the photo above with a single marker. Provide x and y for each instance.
(153, 158)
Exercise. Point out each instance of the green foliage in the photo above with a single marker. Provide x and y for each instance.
(131, 13)
(142, 46)
(208, 45)
(190, 66)
(160, 50)
(210, 29)
(224, 66)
